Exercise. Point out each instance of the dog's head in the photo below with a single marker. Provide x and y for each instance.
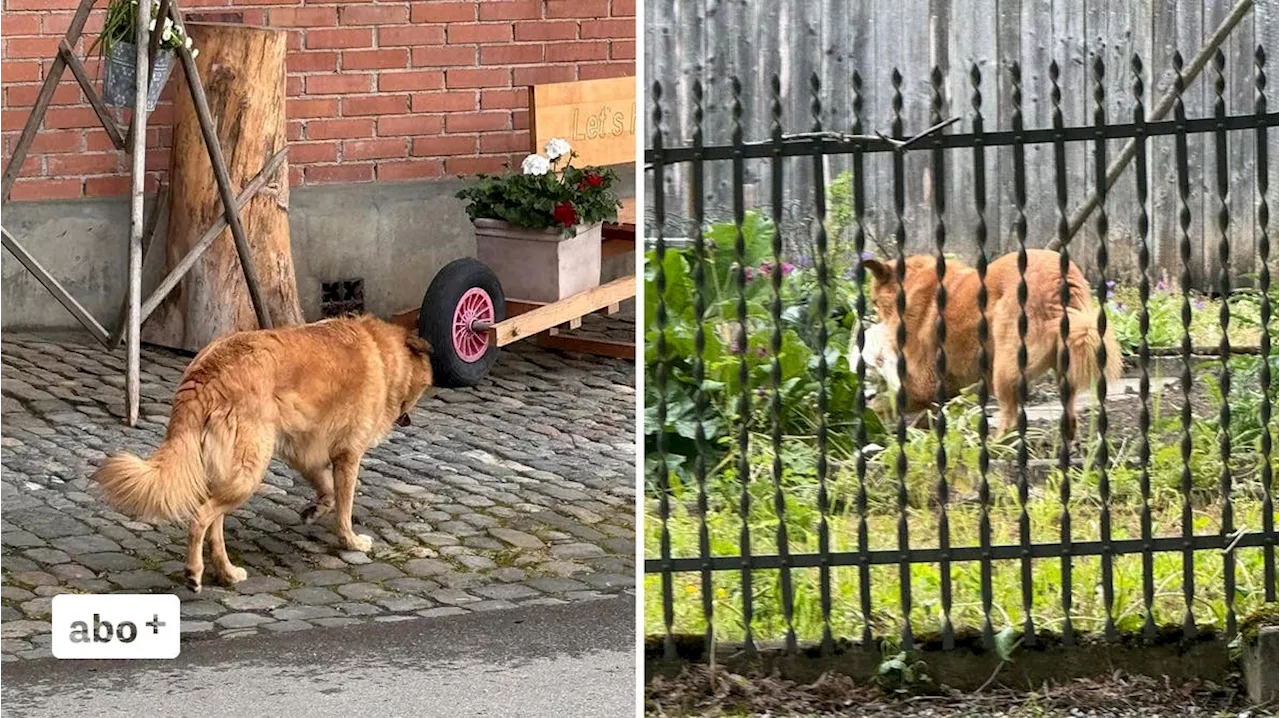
(420, 376)
(920, 284)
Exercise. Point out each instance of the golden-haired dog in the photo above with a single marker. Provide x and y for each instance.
(316, 395)
(1044, 337)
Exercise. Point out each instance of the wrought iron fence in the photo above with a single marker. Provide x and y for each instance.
(727, 380)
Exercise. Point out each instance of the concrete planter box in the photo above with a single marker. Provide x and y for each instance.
(539, 265)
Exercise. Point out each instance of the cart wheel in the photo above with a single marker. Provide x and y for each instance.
(464, 292)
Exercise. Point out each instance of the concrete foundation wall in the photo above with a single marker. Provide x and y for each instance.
(393, 235)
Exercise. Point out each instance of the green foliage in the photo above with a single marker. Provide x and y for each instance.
(122, 20)
(728, 349)
(900, 674)
(558, 198)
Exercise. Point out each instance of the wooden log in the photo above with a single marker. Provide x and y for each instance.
(243, 72)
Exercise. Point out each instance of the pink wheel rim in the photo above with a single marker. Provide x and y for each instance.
(474, 306)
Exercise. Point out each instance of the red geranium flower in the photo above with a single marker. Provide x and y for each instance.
(594, 179)
(565, 214)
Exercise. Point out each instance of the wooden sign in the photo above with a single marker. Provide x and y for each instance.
(596, 117)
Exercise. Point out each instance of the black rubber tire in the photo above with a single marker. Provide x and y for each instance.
(435, 321)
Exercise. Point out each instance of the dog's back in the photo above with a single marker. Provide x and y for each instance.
(297, 391)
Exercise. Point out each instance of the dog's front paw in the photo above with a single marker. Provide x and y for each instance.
(234, 575)
(360, 542)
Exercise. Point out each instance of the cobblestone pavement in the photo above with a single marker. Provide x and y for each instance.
(518, 491)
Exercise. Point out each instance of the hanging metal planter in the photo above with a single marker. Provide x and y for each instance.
(120, 77)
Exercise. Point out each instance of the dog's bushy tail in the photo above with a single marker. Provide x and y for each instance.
(1083, 342)
(169, 485)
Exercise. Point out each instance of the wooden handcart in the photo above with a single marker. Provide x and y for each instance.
(464, 313)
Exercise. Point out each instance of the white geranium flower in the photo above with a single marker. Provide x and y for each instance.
(168, 30)
(189, 43)
(557, 148)
(535, 165)
(195, 53)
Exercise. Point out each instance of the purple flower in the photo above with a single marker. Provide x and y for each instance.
(1162, 286)
(762, 352)
(1111, 288)
(766, 268)
(750, 273)
(787, 268)
(805, 261)
(1199, 304)
(867, 255)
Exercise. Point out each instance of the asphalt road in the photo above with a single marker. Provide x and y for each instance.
(563, 660)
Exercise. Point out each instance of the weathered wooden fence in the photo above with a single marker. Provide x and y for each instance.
(712, 40)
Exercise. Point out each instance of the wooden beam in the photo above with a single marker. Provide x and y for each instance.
(20, 148)
(104, 116)
(540, 319)
(221, 175)
(148, 234)
(153, 49)
(138, 146)
(55, 287)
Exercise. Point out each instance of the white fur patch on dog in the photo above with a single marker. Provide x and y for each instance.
(878, 353)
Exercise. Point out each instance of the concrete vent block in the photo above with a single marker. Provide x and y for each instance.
(344, 296)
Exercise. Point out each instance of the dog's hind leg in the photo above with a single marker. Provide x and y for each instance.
(346, 467)
(200, 523)
(233, 476)
(228, 573)
(322, 481)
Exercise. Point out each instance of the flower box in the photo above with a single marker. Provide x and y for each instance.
(540, 230)
(540, 265)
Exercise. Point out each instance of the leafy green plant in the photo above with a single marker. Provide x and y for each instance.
(729, 346)
(122, 20)
(545, 195)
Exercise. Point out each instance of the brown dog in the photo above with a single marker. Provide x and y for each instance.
(317, 395)
(1044, 338)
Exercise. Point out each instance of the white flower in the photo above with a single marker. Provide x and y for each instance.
(557, 148)
(535, 165)
(194, 53)
(189, 43)
(152, 26)
(168, 31)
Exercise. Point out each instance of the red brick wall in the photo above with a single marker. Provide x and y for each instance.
(379, 90)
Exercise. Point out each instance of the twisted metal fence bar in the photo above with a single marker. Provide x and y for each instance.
(1085, 453)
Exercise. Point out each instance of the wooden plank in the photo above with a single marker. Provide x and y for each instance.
(1009, 36)
(104, 116)
(614, 246)
(537, 320)
(1242, 187)
(1267, 34)
(597, 117)
(553, 339)
(55, 287)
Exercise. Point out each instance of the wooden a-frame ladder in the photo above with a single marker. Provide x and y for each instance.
(133, 140)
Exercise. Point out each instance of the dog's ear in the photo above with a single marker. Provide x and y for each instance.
(880, 271)
(417, 345)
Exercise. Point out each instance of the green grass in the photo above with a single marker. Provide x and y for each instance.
(1044, 511)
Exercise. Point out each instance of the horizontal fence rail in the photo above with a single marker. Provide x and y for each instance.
(755, 340)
